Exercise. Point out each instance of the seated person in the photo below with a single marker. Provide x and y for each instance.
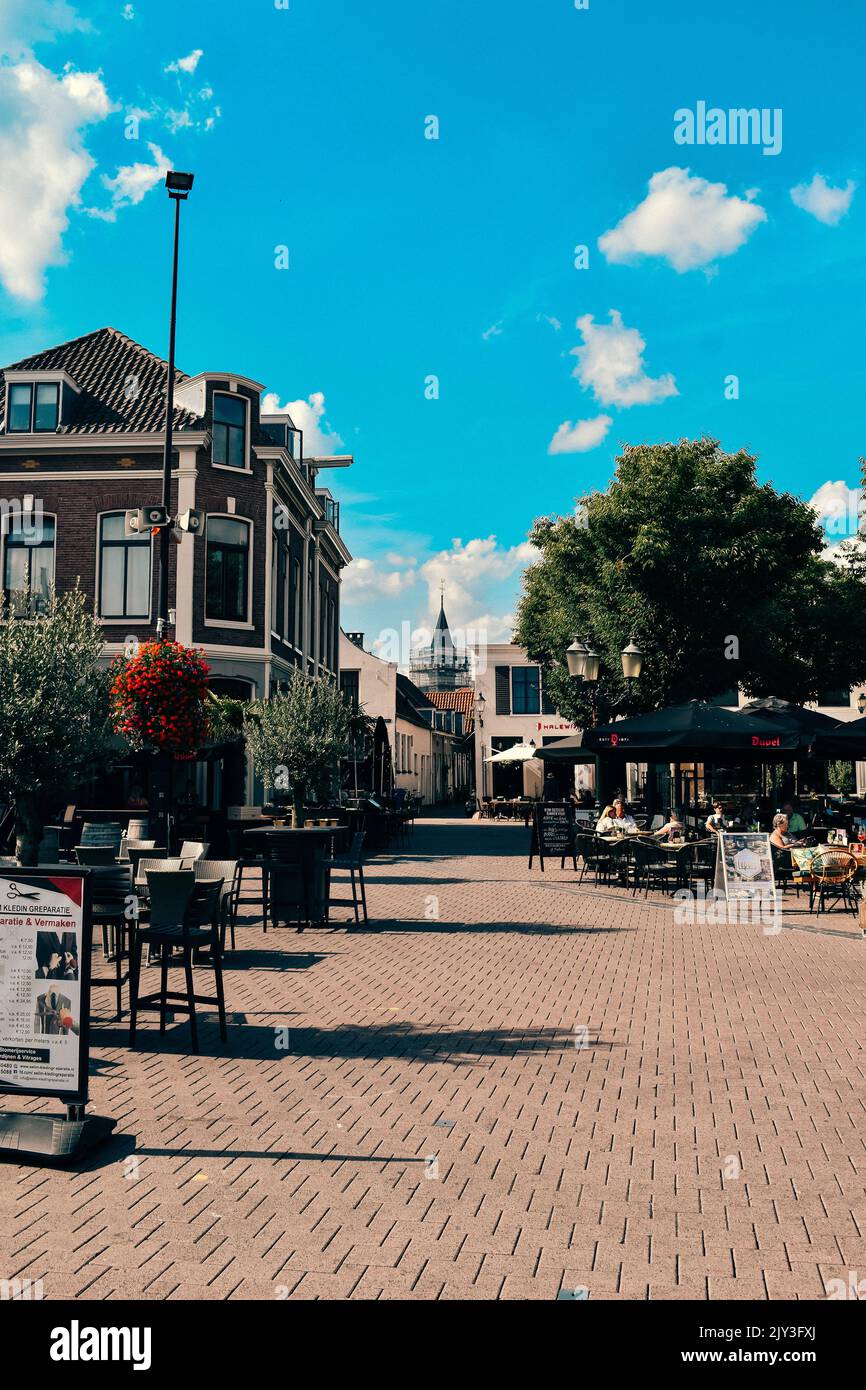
(780, 836)
(616, 817)
(673, 828)
(796, 823)
(716, 819)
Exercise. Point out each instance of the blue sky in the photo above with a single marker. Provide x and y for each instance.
(413, 257)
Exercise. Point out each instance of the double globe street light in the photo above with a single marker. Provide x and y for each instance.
(584, 663)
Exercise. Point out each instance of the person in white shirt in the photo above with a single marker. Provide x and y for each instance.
(619, 819)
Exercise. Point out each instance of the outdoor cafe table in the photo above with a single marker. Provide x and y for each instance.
(310, 847)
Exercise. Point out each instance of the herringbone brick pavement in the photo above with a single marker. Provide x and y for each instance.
(513, 1087)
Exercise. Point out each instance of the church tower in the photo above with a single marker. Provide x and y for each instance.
(440, 666)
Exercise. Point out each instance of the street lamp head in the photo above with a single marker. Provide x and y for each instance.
(178, 184)
(575, 655)
(592, 662)
(632, 661)
(861, 702)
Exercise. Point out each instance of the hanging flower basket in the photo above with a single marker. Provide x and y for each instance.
(159, 698)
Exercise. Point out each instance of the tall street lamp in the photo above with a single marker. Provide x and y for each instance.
(179, 186)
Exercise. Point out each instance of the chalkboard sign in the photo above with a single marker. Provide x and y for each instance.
(552, 833)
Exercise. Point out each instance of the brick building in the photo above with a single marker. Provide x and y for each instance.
(81, 437)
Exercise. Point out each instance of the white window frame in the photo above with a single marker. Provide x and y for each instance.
(97, 595)
(248, 626)
(4, 533)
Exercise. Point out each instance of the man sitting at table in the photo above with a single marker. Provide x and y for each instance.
(716, 820)
(796, 823)
(619, 819)
(672, 830)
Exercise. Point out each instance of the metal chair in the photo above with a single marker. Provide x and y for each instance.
(594, 853)
(227, 870)
(115, 910)
(198, 927)
(654, 869)
(352, 864)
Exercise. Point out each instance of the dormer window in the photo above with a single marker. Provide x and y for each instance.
(34, 407)
(229, 430)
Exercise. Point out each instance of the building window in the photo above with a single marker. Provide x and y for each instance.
(34, 408)
(28, 566)
(280, 575)
(229, 431)
(350, 686)
(228, 568)
(124, 570)
(525, 690)
(295, 602)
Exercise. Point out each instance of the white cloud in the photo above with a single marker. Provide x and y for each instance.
(549, 318)
(365, 579)
(43, 165)
(579, 438)
(469, 571)
(610, 364)
(309, 416)
(494, 331)
(132, 182)
(822, 200)
(187, 64)
(26, 22)
(687, 221)
(128, 12)
(837, 507)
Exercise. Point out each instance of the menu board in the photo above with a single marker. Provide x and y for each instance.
(44, 982)
(552, 832)
(744, 867)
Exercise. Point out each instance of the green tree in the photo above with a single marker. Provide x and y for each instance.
(54, 725)
(297, 738)
(720, 580)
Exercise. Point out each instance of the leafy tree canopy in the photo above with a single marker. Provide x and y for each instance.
(720, 581)
(54, 726)
(298, 737)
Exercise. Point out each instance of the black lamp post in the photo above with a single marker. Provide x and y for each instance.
(584, 663)
(178, 186)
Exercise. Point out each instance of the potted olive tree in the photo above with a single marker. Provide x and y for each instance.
(54, 720)
(297, 737)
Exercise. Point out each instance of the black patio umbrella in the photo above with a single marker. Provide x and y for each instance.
(846, 740)
(693, 731)
(381, 759)
(782, 714)
(567, 750)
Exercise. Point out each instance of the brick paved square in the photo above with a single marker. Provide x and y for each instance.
(702, 1138)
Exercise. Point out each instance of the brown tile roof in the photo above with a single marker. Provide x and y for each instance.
(463, 700)
(122, 384)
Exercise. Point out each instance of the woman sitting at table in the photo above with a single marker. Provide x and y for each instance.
(779, 836)
(615, 817)
(672, 830)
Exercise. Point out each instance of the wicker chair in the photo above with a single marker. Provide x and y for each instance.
(831, 876)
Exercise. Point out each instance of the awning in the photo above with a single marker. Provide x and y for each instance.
(695, 731)
(567, 750)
